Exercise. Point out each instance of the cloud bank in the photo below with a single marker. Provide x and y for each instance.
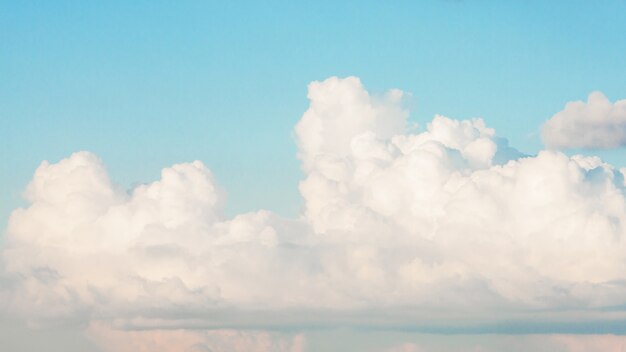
(448, 226)
(596, 124)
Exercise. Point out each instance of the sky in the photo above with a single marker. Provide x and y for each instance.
(312, 176)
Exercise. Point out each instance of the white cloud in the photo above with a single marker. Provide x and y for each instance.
(596, 124)
(341, 109)
(446, 226)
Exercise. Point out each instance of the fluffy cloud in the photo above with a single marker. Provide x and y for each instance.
(598, 124)
(422, 217)
(87, 248)
(447, 226)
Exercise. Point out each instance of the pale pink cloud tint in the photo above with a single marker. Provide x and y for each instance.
(514, 343)
(112, 340)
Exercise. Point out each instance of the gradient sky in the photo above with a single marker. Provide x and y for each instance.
(147, 84)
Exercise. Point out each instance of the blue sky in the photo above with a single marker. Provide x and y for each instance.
(148, 84)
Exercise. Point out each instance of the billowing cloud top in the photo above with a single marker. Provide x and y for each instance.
(398, 228)
(596, 124)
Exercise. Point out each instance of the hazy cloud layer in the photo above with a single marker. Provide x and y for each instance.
(595, 124)
(179, 340)
(446, 226)
(518, 343)
(258, 341)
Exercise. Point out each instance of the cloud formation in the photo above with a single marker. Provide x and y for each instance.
(446, 226)
(595, 124)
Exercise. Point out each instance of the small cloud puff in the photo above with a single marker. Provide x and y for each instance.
(596, 124)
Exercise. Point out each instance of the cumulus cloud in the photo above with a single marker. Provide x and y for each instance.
(595, 124)
(445, 226)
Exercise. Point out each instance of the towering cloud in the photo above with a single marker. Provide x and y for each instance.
(433, 229)
(596, 124)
